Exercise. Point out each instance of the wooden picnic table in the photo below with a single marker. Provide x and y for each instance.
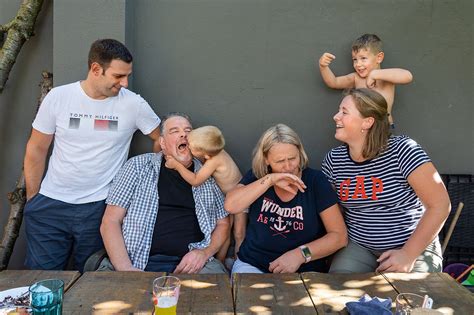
(306, 293)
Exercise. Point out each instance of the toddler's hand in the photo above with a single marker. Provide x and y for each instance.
(371, 82)
(170, 162)
(326, 59)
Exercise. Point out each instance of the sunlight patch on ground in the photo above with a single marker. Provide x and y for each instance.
(259, 309)
(197, 284)
(262, 285)
(293, 281)
(266, 297)
(445, 310)
(306, 301)
(110, 307)
(358, 283)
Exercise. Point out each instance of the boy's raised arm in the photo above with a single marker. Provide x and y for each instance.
(194, 179)
(342, 82)
(392, 75)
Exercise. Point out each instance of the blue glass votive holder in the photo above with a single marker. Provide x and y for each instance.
(46, 297)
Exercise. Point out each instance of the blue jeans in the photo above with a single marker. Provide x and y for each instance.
(56, 229)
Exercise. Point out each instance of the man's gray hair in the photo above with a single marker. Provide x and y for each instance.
(170, 115)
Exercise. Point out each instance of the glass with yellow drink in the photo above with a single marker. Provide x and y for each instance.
(165, 295)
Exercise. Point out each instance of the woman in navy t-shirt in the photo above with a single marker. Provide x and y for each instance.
(294, 219)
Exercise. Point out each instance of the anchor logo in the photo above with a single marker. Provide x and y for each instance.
(280, 229)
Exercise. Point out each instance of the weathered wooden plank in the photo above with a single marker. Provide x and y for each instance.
(205, 294)
(111, 293)
(271, 294)
(331, 292)
(449, 297)
(19, 278)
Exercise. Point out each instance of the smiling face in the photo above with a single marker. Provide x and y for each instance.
(284, 158)
(364, 61)
(174, 140)
(350, 123)
(109, 82)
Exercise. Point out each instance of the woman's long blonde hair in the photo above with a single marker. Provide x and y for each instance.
(276, 134)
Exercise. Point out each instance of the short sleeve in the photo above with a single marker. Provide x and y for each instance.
(324, 193)
(410, 156)
(147, 120)
(248, 178)
(327, 169)
(45, 120)
(123, 185)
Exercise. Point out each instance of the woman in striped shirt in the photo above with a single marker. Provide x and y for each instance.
(393, 198)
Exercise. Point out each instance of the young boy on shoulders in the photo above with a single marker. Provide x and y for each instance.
(207, 144)
(367, 55)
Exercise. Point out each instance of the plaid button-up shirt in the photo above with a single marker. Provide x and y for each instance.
(135, 188)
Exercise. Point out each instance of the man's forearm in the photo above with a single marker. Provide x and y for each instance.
(34, 165)
(218, 237)
(115, 246)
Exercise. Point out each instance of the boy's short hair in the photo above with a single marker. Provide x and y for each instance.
(103, 51)
(368, 41)
(207, 139)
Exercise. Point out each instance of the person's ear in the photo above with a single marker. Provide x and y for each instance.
(96, 69)
(162, 142)
(368, 123)
(380, 57)
(207, 156)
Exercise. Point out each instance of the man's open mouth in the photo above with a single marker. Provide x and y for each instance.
(182, 147)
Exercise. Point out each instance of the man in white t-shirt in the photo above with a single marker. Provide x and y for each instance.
(92, 123)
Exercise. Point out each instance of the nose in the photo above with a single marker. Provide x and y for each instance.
(286, 166)
(336, 116)
(124, 82)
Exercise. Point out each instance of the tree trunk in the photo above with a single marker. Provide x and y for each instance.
(17, 197)
(17, 31)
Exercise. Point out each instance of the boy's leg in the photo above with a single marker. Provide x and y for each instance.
(239, 228)
(431, 260)
(353, 259)
(49, 239)
(86, 230)
(222, 253)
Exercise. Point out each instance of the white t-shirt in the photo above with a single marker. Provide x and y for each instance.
(91, 140)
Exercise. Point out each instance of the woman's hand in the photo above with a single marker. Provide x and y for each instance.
(288, 262)
(288, 182)
(395, 260)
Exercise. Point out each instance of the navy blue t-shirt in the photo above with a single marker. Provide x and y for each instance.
(275, 227)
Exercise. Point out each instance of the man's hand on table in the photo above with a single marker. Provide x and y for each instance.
(192, 262)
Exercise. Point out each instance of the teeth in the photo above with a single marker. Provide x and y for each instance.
(338, 126)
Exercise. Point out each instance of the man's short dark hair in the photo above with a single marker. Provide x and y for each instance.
(103, 51)
(171, 115)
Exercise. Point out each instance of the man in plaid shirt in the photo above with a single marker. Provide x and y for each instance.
(155, 220)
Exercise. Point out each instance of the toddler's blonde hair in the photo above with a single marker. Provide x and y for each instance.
(207, 139)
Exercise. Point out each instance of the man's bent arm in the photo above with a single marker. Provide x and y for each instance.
(35, 160)
(111, 230)
(155, 136)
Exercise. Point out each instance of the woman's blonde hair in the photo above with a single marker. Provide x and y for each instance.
(207, 139)
(277, 134)
(370, 103)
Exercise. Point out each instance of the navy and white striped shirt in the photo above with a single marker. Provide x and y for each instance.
(381, 208)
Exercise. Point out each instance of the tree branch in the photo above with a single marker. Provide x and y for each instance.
(17, 197)
(18, 31)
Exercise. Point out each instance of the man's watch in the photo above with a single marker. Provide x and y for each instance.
(306, 253)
